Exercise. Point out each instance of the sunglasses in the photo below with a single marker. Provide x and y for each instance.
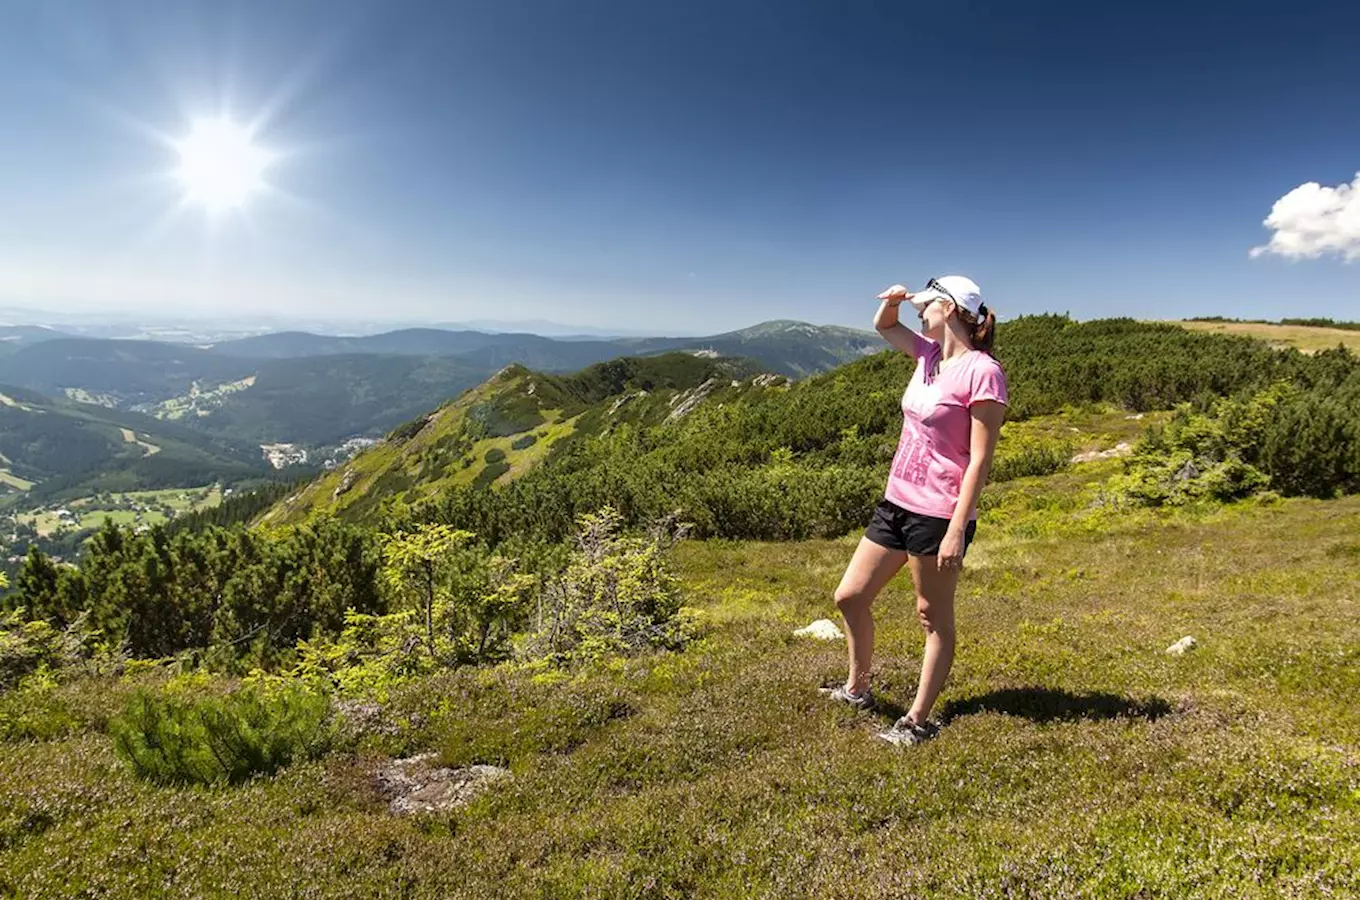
(934, 285)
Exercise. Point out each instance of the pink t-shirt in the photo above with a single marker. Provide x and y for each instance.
(932, 455)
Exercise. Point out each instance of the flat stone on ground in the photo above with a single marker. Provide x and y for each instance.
(417, 785)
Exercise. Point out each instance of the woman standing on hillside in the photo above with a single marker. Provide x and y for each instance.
(952, 414)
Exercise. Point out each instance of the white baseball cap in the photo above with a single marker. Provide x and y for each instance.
(963, 291)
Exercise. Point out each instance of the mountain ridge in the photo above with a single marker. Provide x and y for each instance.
(315, 390)
(508, 424)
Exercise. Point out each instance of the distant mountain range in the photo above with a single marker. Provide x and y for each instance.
(12, 337)
(791, 348)
(211, 330)
(317, 390)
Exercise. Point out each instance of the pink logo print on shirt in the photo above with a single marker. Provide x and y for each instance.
(913, 460)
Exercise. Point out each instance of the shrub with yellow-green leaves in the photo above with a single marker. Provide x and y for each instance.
(617, 595)
(469, 600)
(30, 647)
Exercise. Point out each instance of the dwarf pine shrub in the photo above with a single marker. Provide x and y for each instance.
(217, 740)
(617, 595)
(1294, 440)
(1019, 456)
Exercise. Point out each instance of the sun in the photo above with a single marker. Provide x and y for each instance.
(220, 166)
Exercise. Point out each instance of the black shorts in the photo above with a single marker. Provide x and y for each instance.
(901, 529)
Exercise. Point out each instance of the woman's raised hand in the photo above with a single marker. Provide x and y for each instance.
(895, 294)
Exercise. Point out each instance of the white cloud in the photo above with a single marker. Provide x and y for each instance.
(1312, 221)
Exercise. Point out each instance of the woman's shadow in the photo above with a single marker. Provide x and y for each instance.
(1040, 704)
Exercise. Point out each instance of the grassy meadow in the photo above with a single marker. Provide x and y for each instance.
(1079, 759)
(1307, 338)
(128, 508)
(9, 478)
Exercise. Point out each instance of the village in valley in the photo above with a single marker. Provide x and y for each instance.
(139, 510)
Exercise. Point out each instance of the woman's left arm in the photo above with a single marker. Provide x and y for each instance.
(987, 418)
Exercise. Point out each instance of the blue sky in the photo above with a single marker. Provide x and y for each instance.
(689, 166)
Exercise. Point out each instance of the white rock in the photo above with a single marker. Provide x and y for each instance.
(822, 630)
(1123, 448)
(1181, 647)
(415, 785)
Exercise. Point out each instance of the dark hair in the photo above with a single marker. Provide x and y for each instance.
(982, 327)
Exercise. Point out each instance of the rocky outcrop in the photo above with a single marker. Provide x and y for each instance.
(346, 482)
(1120, 449)
(416, 785)
(685, 402)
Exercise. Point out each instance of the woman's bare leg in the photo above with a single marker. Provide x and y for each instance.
(872, 567)
(935, 608)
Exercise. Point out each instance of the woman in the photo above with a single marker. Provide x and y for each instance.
(952, 414)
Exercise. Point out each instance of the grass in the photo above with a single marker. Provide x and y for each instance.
(1099, 427)
(428, 463)
(130, 437)
(519, 459)
(198, 401)
(1303, 337)
(181, 500)
(14, 481)
(1079, 759)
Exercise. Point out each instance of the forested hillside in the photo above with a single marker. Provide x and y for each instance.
(59, 449)
(808, 459)
(117, 373)
(505, 427)
(13, 337)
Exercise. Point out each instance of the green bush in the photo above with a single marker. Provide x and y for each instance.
(1018, 457)
(495, 455)
(617, 595)
(217, 740)
(491, 473)
(1322, 323)
(371, 655)
(523, 443)
(244, 591)
(1311, 446)
(505, 415)
(1294, 439)
(36, 647)
(468, 600)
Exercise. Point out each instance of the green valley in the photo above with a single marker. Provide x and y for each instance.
(57, 450)
(134, 509)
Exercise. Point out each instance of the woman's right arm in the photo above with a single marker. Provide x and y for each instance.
(893, 331)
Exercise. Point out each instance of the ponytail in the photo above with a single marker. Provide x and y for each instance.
(982, 328)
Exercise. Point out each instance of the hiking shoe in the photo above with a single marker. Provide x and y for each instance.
(908, 731)
(839, 693)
